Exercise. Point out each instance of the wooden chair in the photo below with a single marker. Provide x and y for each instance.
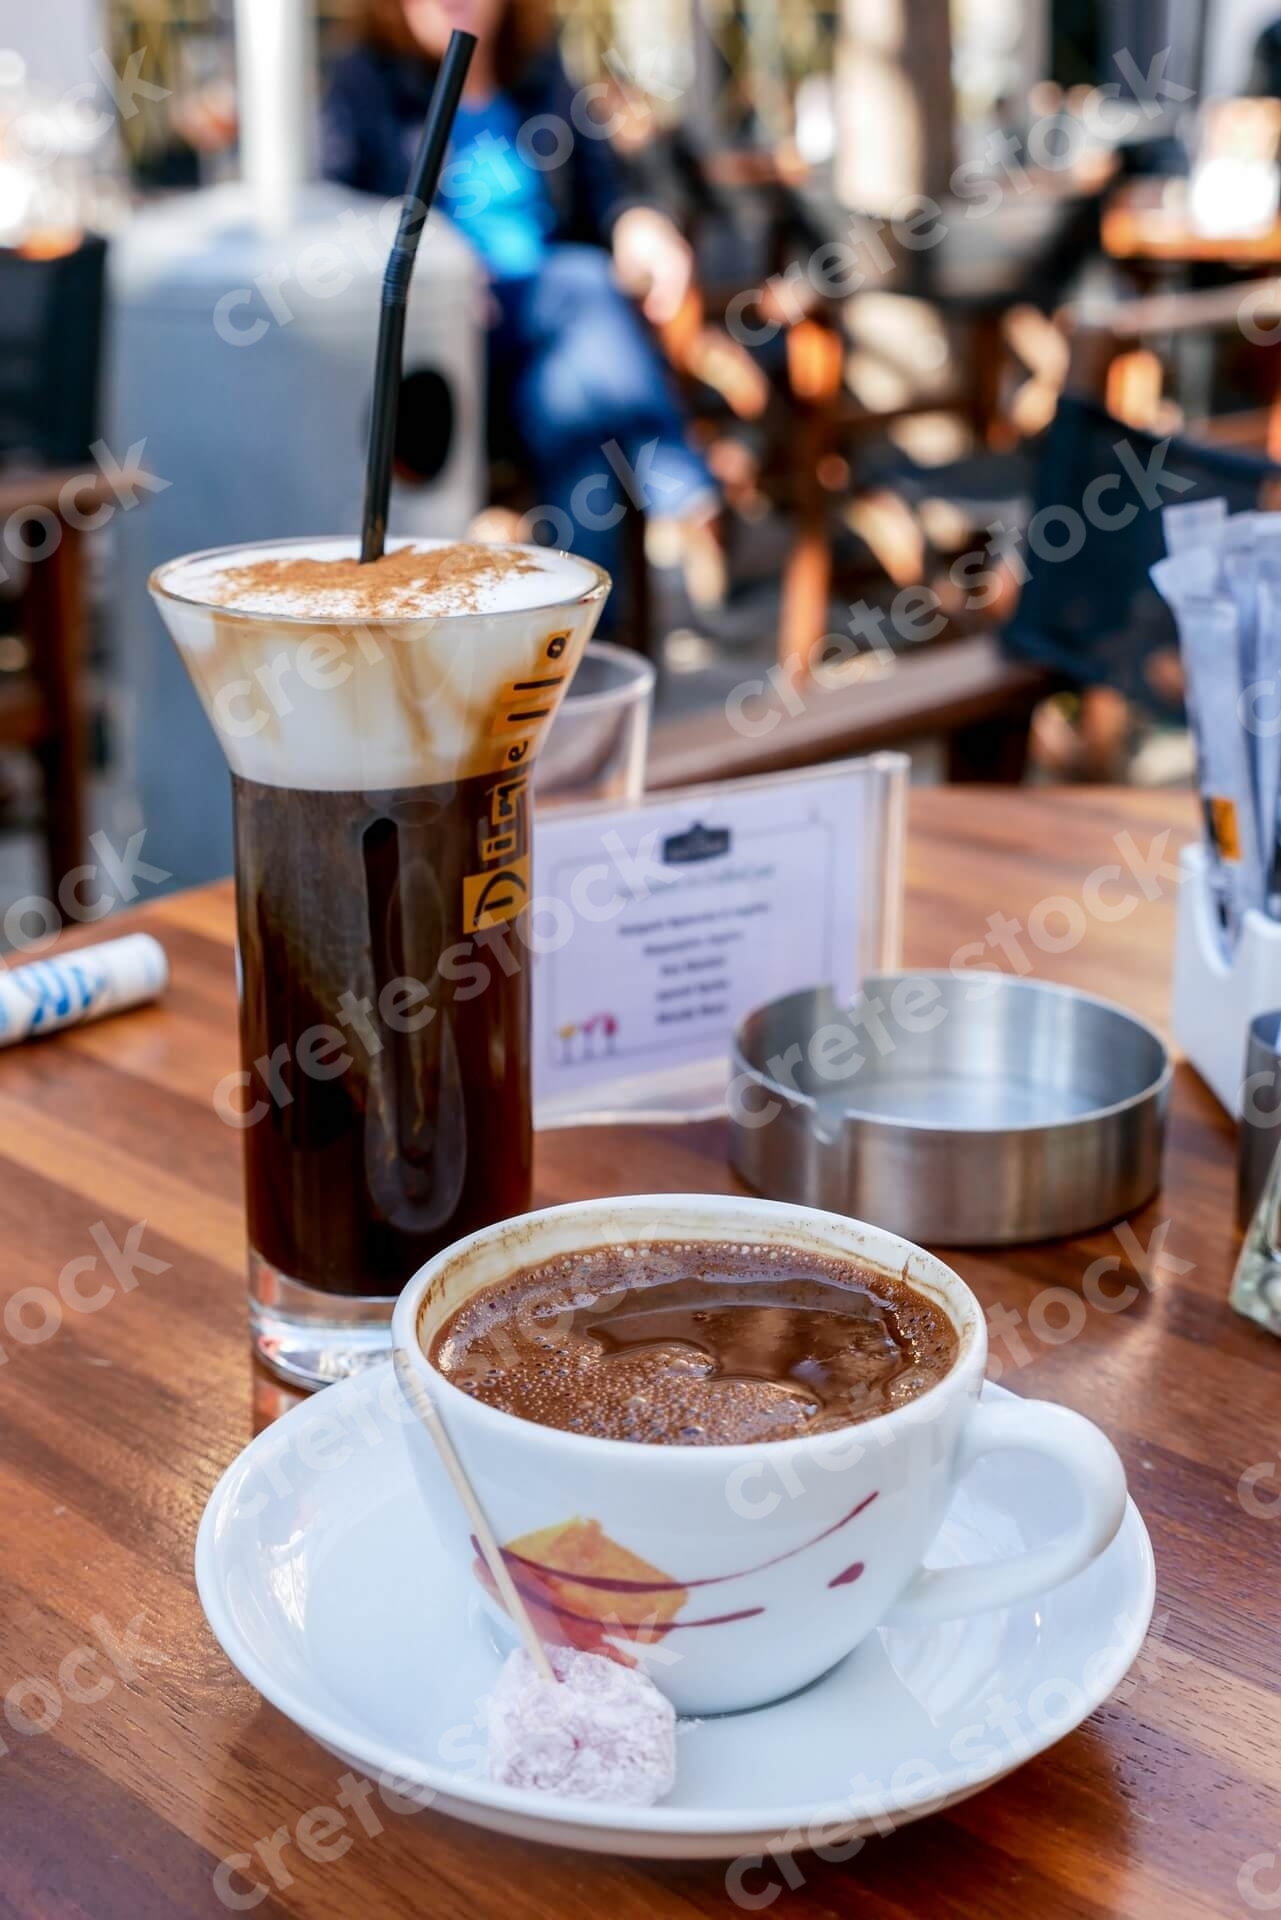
(963, 694)
(1118, 355)
(958, 690)
(42, 709)
(51, 318)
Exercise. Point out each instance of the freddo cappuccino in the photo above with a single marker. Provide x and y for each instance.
(380, 722)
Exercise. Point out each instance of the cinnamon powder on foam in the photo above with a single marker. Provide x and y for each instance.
(448, 579)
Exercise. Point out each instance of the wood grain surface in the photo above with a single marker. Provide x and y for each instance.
(157, 1764)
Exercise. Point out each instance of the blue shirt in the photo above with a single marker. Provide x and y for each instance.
(373, 117)
(492, 193)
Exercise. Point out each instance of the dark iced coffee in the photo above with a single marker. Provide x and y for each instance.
(380, 723)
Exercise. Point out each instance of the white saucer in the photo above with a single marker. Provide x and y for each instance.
(320, 1574)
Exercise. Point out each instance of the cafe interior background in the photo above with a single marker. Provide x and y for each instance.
(881, 424)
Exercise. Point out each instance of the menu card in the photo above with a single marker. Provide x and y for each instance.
(656, 927)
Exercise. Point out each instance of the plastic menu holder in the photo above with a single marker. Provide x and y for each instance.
(656, 927)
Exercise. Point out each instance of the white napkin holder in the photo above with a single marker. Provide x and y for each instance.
(1216, 995)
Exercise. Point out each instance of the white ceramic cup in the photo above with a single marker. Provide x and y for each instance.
(735, 1574)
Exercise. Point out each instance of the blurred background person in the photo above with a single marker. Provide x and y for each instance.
(568, 248)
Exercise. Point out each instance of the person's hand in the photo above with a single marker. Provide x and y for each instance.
(654, 262)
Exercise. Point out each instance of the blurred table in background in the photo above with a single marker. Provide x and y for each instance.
(1149, 223)
(966, 695)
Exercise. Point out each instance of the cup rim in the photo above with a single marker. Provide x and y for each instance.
(957, 1298)
(156, 586)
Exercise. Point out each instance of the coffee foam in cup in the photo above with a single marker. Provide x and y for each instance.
(419, 579)
(443, 663)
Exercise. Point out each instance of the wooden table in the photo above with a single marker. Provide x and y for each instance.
(116, 1427)
(1148, 221)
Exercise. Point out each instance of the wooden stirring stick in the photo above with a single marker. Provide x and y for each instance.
(485, 1537)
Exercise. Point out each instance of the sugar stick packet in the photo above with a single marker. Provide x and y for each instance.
(1210, 640)
(42, 996)
(1197, 523)
(1189, 577)
(1261, 716)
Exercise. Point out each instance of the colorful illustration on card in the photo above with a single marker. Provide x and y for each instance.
(592, 1039)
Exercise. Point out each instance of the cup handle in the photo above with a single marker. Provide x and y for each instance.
(1024, 1426)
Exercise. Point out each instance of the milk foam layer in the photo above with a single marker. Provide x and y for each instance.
(546, 579)
(328, 702)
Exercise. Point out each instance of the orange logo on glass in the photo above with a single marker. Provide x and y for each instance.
(506, 800)
(522, 710)
(524, 705)
(490, 898)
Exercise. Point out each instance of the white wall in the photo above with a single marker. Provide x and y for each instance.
(55, 39)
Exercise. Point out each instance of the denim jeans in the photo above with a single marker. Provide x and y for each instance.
(591, 403)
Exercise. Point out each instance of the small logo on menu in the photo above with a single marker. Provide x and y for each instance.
(696, 843)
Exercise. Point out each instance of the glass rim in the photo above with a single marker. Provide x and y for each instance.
(642, 679)
(600, 584)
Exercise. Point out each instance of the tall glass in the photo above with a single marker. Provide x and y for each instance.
(380, 772)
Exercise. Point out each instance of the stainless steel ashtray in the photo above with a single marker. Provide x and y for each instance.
(966, 1109)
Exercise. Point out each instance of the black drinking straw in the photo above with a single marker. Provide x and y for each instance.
(419, 195)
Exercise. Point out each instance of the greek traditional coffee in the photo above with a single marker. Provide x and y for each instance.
(691, 1343)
